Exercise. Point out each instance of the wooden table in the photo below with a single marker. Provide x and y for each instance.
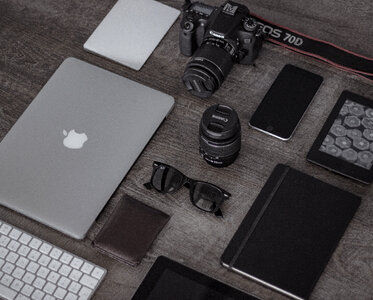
(36, 36)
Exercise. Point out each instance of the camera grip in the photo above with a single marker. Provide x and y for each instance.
(187, 42)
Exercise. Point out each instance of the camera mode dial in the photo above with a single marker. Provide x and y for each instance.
(249, 24)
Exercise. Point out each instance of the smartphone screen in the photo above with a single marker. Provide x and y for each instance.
(286, 102)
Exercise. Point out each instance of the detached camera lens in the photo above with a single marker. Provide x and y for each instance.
(220, 135)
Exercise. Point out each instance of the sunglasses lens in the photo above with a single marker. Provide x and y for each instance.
(167, 179)
(205, 196)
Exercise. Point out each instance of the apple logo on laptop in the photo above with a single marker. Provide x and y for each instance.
(74, 140)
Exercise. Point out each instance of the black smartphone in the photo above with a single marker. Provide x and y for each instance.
(286, 101)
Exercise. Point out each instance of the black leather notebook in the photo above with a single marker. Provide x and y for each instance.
(291, 231)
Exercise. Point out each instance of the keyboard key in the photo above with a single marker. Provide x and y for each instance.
(12, 257)
(45, 248)
(4, 240)
(88, 281)
(75, 275)
(7, 293)
(76, 263)
(13, 246)
(5, 229)
(27, 290)
(43, 272)
(97, 273)
(37, 295)
(74, 287)
(3, 252)
(35, 243)
(65, 270)
(15, 234)
(60, 293)
(8, 268)
(22, 262)
(56, 253)
(24, 250)
(33, 255)
(39, 283)
(49, 297)
(44, 260)
(18, 273)
(25, 238)
(71, 296)
(6, 280)
(84, 293)
(32, 267)
(87, 268)
(28, 278)
(64, 282)
(54, 265)
(49, 288)
(1, 262)
(66, 258)
(17, 285)
(53, 277)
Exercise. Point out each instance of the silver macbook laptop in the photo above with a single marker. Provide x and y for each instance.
(71, 148)
(131, 31)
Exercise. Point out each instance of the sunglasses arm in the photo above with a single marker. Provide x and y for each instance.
(219, 213)
(148, 185)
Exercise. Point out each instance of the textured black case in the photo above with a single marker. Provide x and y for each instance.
(292, 229)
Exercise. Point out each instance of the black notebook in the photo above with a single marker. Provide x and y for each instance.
(290, 232)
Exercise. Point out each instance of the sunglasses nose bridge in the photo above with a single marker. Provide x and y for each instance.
(203, 195)
(188, 182)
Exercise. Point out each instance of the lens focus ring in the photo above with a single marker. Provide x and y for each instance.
(207, 70)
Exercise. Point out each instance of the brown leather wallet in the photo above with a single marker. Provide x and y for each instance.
(130, 231)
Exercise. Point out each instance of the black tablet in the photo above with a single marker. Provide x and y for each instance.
(169, 280)
(345, 143)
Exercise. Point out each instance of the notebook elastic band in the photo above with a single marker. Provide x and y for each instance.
(259, 217)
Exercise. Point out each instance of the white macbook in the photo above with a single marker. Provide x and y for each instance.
(71, 148)
(131, 31)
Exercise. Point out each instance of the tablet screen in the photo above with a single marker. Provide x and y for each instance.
(169, 280)
(351, 136)
(175, 286)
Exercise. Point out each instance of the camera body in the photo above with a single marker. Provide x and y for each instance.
(218, 37)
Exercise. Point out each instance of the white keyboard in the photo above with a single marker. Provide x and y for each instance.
(31, 268)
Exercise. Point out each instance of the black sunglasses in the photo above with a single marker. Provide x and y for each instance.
(205, 196)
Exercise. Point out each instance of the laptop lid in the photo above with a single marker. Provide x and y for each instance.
(71, 148)
(131, 31)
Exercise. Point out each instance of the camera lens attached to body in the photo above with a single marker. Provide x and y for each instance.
(220, 135)
(207, 70)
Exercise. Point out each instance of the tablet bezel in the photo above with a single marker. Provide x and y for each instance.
(336, 164)
(163, 263)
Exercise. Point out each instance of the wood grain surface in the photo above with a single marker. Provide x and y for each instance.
(36, 36)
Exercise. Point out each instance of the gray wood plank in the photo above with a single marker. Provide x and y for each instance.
(36, 36)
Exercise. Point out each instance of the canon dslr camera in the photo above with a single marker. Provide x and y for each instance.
(218, 37)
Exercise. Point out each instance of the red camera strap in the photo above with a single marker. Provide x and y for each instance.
(318, 49)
